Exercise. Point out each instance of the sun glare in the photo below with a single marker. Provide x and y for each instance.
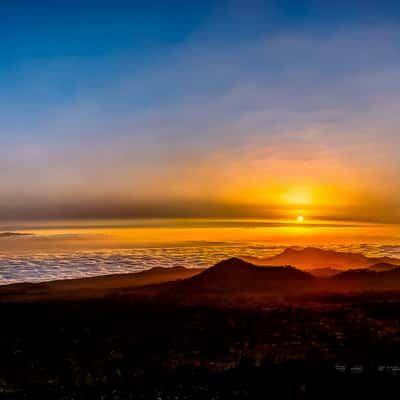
(298, 195)
(300, 218)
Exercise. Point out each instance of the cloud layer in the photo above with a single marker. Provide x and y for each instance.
(45, 267)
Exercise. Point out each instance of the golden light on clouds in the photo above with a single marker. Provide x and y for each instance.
(298, 196)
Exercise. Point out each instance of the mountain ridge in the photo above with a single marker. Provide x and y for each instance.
(309, 258)
(230, 277)
(237, 275)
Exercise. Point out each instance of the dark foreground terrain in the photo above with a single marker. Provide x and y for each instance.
(119, 348)
(234, 331)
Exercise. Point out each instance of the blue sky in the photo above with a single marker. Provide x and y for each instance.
(116, 105)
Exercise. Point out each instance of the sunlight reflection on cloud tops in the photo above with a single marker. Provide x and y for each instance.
(44, 267)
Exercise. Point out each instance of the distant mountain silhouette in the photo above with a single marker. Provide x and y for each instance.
(310, 258)
(236, 275)
(383, 266)
(223, 282)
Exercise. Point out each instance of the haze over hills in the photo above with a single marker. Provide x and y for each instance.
(95, 287)
(310, 258)
(365, 279)
(383, 266)
(324, 272)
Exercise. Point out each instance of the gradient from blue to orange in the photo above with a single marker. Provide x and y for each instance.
(224, 109)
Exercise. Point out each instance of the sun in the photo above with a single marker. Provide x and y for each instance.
(300, 218)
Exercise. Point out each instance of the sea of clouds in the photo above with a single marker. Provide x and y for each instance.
(39, 267)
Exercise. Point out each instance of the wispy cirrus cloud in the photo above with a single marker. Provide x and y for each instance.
(214, 125)
(14, 234)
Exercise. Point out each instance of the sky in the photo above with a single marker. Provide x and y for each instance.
(214, 109)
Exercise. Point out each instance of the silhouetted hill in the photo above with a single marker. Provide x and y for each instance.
(324, 272)
(311, 257)
(88, 288)
(222, 282)
(365, 279)
(236, 275)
